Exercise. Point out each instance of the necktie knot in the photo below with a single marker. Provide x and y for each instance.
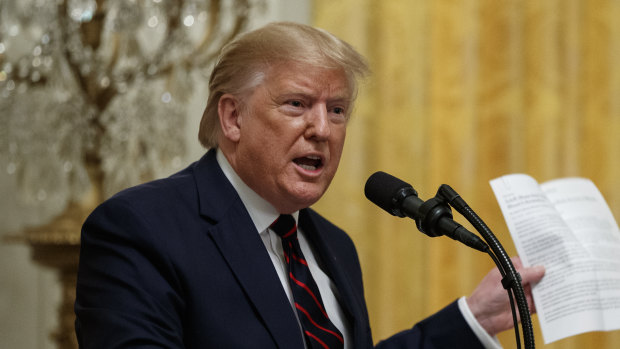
(285, 226)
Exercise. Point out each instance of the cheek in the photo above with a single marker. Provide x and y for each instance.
(337, 143)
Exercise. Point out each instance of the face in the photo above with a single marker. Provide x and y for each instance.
(290, 134)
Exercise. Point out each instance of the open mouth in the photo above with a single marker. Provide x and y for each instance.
(310, 163)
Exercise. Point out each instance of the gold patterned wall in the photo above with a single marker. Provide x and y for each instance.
(463, 92)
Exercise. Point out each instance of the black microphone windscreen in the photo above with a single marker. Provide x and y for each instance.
(382, 188)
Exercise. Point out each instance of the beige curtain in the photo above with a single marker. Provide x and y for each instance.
(463, 92)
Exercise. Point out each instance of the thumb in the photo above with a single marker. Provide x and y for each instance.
(532, 274)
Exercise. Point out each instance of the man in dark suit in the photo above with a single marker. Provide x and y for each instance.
(195, 260)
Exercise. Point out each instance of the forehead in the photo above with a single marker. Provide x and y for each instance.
(294, 77)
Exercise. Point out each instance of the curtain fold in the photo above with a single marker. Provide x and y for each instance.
(463, 92)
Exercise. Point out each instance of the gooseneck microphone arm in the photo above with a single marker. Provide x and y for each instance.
(434, 218)
(511, 278)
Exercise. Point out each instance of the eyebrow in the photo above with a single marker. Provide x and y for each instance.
(293, 93)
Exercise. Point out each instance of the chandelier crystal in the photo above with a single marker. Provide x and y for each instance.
(101, 86)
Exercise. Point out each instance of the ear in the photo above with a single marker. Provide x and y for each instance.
(228, 109)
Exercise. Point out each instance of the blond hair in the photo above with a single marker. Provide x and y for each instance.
(243, 63)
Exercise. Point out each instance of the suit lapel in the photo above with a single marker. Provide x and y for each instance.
(246, 255)
(241, 246)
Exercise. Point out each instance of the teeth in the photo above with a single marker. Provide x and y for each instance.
(309, 163)
(307, 167)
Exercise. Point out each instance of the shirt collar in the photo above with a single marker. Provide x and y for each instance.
(261, 211)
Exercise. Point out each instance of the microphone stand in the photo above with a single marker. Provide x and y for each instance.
(511, 280)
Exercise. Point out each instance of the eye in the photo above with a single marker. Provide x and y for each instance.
(293, 107)
(295, 103)
(338, 110)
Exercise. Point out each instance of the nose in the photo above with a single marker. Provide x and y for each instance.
(318, 123)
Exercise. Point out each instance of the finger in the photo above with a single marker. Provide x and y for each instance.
(532, 274)
(530, 302)
(528, 274)
(516, 261)
(529, 298)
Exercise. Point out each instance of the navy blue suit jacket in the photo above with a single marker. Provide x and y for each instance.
(178, 263)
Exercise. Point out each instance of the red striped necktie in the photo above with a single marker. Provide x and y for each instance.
(320, 332)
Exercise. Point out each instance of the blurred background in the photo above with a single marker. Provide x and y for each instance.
(99, 95)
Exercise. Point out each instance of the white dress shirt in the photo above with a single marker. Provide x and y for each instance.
(263, 214)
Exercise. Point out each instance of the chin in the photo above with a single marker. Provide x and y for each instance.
(306, 198)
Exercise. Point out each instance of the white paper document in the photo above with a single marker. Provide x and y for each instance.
(567, 226)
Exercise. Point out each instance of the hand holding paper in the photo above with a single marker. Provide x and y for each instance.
(566, 226)
(489, 303)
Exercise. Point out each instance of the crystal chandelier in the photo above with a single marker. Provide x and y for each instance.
(95, 90)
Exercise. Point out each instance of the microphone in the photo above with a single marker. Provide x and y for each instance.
(433, 217)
